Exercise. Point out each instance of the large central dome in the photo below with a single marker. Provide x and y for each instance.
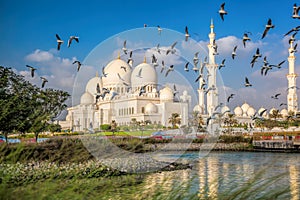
(143, 74)
(114, 69)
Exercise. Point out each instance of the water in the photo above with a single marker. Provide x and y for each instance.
(228, 175)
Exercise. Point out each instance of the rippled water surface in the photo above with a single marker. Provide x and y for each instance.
(229, 175)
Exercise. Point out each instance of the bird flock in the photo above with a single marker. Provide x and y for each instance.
(167, 69)
(59, 43)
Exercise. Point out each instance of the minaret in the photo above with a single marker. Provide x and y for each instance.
(212, 95)
(292, 100)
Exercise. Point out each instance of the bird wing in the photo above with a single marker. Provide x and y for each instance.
(98, 88)
(124, 44)
(57, 37)
(173, 45)
(76, 39)
(187, 65)
(222, 16)
(186, 30)
(276, 95)
(246, 80)
(140, 72)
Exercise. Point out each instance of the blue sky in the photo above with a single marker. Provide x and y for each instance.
(28, 30)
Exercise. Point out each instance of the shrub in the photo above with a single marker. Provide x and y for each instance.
(105, 127)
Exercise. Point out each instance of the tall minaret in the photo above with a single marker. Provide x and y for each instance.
(212, 95)
(292, 100)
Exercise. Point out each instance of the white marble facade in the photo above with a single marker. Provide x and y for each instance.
(156, 106)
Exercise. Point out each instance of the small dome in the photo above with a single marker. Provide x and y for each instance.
(166, 94)
(262, 109)
(147, 75)
(225, 109)
(87, 98)
(112, 70)
(251, 111)
(245, 107)
(284, 112)
(198, 109)
(150, 108)
(238, 111)
(92, 85)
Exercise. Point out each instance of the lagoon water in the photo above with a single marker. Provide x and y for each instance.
(228, 175)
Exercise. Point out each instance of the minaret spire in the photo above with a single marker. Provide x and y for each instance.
(212, 94)
(292, 100)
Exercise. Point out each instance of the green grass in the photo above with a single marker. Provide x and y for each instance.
(126, 133)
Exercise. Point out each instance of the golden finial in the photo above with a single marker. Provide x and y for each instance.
(119, 57)
(145, 59)
(97, 75)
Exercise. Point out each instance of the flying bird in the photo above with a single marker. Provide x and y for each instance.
(154, 61)
(275, 96)
(130, 58)
(78, 64)
(159, 29)
(295, 12)
(267, 28)
(98, 88)
(59, 41)
(187, 35)
(247, 83)
(197, 79)
(233, 54)
(162, 66)
(120, 77)
(157, 48)
(245, 39)
(103, 72)
(186, 67)
(222, 11)
(295, 29)
(230, 97)
(113, 94)
(71, 39)
(293, 39)
(124, 68)
(259, 115)
(140, 73)
(279, 65)
(222, 64)
(32, 69)
(196, 59)
(171, 68)
(124, 49)
(282, 104)
(294, 49)
(171, 49)
(142, 90)
(44, 81)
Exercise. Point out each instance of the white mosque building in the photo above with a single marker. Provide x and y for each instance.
(152, 105)
(158, 106)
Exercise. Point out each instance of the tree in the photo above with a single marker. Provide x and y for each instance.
(174, 119)
(230, 121)
(113, 126)
(25, 107)
(275, 114)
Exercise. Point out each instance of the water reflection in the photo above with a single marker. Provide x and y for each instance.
(220, 175)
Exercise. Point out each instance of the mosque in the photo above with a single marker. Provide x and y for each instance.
(152, 105)
(156, 105)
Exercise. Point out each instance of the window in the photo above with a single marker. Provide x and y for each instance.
(143, 109)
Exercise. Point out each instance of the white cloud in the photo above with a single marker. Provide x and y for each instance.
(39, 56)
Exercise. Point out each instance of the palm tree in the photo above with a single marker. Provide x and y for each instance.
(174, 119)
(275, 114)
(230, 121)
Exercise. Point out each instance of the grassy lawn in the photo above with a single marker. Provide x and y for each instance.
(128, 133)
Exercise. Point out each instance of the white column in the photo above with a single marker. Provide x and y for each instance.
(292, 100)
(212, 95)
